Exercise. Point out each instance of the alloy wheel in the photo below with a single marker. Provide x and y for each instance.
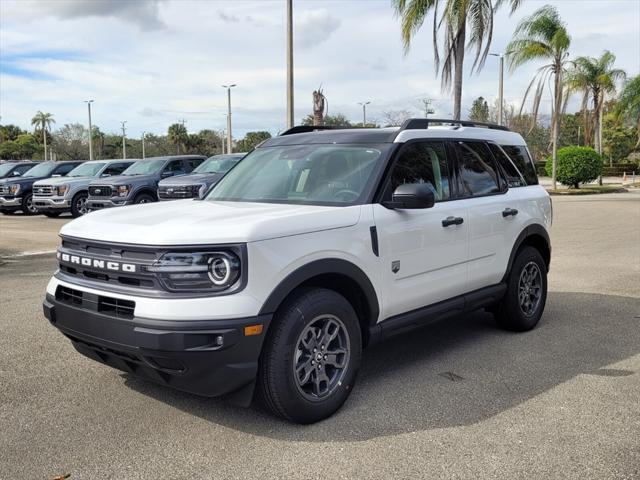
(530, 288)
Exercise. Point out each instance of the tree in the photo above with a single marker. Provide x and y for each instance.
(43, 122)
(70, 141)
(628, 106)
(594, 77)
(479, 110)
(337, 120)
(543, 36)
(210, 142)
(177, 135)
(9, 132)
(458, 16)
(576, 165)
(618, 139)
(395, 118)
(251, 140)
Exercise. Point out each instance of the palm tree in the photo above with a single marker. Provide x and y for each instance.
(595, 77)
(457, 17)
(628, 106)
(177, 135)
(43, 121)
(543, 36)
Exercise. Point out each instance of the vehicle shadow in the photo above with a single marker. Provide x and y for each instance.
(458, 372)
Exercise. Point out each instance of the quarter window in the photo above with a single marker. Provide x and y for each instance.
(175, 166)
(522, 160)
(422, 163)
(478, 174)
(514, 179)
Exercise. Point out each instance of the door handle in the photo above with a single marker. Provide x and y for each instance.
(452, 221)
(509, 212)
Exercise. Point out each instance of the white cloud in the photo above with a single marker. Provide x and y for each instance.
(314, 27)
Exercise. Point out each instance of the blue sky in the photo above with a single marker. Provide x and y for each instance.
(155, 62)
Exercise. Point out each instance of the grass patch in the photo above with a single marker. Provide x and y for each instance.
(588, 190)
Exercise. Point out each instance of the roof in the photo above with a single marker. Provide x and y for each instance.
(346, 135)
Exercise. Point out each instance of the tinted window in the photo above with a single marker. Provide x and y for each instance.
(66, 168)
(41, 170)
(115, 169)
(88, 169)
(22, 168)
(218, 164)
(174, 166)
(514, 179)
(478, 174)
(144, 167)
(520, 156)
(192, 163)
(422, 163)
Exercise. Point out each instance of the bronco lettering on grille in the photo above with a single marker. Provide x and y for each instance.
(96, 263)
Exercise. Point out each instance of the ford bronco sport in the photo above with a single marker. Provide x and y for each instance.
(314, 246)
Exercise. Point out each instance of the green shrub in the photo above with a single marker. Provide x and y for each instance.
(576, 165)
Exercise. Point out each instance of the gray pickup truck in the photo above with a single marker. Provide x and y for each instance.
(200, 180)
(139, 182)
(54, 196)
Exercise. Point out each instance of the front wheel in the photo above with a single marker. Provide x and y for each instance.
(143, 198)
(311, 356)
(523, 304)
(28, 208)
(79, 205)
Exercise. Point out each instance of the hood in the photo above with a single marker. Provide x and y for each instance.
(20, 180)
(191, 179)
(123, 179)
(189, 222)
(63, 181)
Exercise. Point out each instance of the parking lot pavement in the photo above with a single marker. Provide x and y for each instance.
(20, 233)
(561, 401)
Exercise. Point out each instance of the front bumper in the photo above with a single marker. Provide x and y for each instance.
(204, 357)
(98, 204)
(10, 202)
(51, 203)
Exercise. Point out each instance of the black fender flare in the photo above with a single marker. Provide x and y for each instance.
(532, 230)
(321, 267)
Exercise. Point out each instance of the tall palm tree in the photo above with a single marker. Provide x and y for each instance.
(177, 135)
(543, 36)
(43, 121)
(460, 19)
(628, 105)
(594, 77)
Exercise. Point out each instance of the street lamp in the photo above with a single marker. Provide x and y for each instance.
(229, 87)
(124, 141)
(501, 87)
(364, 112)
(143, 152)
(89, 102)
(290, 120)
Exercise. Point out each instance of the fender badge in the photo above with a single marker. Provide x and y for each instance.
(395, 266)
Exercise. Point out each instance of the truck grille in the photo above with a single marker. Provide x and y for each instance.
(43, 191)
(178, 191)
(111, 306)
(4, 190)
(100, 191)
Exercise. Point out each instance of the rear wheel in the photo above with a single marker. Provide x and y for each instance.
(28, 208)
(143, 198)
(79, 205)
(523, 304)
(311, 357)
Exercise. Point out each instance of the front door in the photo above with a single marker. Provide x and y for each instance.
(423, 252)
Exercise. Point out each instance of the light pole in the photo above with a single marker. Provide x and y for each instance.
(501, 87)
(364, 112)
(124, 141)
(143, 152)
(229, 87)
(290, 120)
(88, 102)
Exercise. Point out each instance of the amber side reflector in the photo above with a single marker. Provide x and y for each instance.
(252, 330)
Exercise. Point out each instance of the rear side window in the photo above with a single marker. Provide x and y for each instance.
(478, 173)
(116, 169)
(514, 179)
(192, 163)
(174, 166)
(520, 156)
(22, 168)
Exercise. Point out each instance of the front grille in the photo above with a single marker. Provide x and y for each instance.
(180, 191)
(110, 306)
(4, 190)
(43, 191)
(100, 191)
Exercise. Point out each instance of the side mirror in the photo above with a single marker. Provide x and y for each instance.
(55, 175)
(105, 175)
(16, 173)
(168, 174)
(412, 196)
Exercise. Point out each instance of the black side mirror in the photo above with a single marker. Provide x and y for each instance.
(412, 195)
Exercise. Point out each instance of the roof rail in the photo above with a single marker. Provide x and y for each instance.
(313, 128)
(422, 123)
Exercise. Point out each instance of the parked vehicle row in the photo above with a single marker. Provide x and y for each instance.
(53, 188)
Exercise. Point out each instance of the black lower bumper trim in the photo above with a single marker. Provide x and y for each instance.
(204, 357)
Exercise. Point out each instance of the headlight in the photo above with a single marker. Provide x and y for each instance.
(198, 190)
(123, 190)
(14, 189)
(197, 271)
(62, 189)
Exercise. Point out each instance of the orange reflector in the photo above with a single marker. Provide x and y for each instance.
(252, 330)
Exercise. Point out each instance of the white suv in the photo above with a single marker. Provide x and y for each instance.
(314, 246)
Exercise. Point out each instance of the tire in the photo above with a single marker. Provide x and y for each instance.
(52, 214)
(143, 198)
(79, 204)
(28, 208)
(523, 303)
(294, 333)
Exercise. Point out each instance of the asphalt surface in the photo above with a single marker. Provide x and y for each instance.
(561, 401)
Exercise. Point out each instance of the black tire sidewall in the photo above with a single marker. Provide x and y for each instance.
(140, 196)
(289, 323)
(24, 208)
(75, 213)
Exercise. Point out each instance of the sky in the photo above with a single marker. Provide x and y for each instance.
(156, 62)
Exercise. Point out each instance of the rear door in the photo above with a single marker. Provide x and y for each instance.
(423, 260)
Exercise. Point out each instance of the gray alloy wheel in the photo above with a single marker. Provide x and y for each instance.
(530, 288)
(321, 357)
(29, 207)
(81, 205)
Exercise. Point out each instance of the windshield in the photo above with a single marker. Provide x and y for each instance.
(303, 174)
(144, 167)
(218, 164)
(88, 169)
(42, 170)
(6, 168)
